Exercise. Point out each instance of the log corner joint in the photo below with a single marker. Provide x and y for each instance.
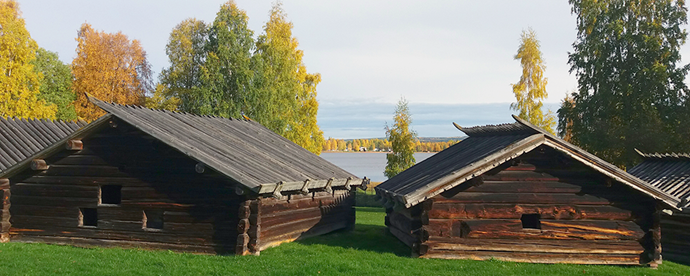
(199, 168)
(74, 145)
(39, 165)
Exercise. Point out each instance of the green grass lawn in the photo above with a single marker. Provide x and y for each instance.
(367, 250)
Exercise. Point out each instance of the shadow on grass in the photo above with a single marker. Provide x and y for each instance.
(369, 234)
(363, 237)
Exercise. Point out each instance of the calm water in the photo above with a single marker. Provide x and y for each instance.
(369, 164)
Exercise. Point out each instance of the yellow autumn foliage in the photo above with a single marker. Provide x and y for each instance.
(111, 68)
(19, 84)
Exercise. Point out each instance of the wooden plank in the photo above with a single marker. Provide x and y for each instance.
(565, 258)
(55, 201)
(550, 229)
(187, 238)
(451, 210)
(543, 246)
(288, 216)
(299, 234)
(529, 187)
(79, 159)
(26, 189)
(44, 211)
(78, 170)
(528, 198)
(520, 176)
(86, 242)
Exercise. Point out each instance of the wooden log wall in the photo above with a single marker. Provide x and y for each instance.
(163, 202)
(4, 210)
(300, 216)
(675, 238)
(582, 217)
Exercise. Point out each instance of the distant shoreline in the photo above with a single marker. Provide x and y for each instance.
(339, 151)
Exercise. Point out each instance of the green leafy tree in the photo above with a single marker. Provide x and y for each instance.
(183, 79)
(56, 83)
(630, 88)
(162, 99)
(402, 141)
(284, 99)
(531, 89)
(227, 74)
(19, 82)
(220, 69)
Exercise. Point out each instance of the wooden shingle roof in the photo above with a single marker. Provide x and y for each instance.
(670, 172)
(20, 139)
(486, 148)
(244, 150)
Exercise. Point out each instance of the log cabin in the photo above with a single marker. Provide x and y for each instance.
(155, 179)
(20, 139)
(514, 192)
(670, 172)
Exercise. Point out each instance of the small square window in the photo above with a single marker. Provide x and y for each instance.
(88, 217)
(111, 194)
(153, 220)
(531, 221)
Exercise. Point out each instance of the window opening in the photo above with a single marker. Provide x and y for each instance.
(111, 194)
(88, 217)
(153, 219)
(531, 221)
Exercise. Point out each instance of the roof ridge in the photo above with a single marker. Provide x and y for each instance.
(96, 101)
(497, 130)
(666, 155)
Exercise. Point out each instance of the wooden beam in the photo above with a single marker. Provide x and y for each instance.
(74, 145)
(39, 165)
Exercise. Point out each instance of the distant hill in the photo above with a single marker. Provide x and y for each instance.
(422, 139)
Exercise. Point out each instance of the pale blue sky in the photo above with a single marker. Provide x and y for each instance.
(430, 52)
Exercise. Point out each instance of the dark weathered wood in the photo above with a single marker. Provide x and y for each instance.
(242, 242)
(656, 237)
(520, 176)
(537, 257)
(405, 238)
(317, 230)
(530, 198)
(243, 226)
(551, 229)
(403, 223)
(545, 246)
(90, 242)
(531, 187)
(189, 238)
(26, 189)
(55, 201)
(451, 210)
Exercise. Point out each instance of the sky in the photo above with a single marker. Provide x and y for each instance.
(448, 59)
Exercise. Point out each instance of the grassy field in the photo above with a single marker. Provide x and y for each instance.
(367, 250)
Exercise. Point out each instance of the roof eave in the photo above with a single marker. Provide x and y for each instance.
(275, 189)
(469, 172)
(57, 146)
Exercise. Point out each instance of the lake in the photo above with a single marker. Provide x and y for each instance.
(369, 164)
